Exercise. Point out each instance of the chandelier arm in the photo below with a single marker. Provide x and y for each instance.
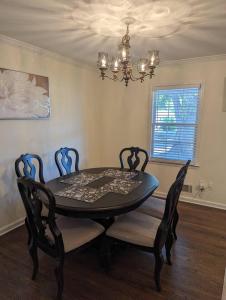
(134, 78)
(123, 78)
(111, 78)
(145, 75)
(150, 74)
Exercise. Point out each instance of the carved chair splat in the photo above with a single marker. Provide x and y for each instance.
(133, 159)
(64, 160)
(29, 168)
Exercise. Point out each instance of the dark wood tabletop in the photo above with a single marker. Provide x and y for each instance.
(109, 205)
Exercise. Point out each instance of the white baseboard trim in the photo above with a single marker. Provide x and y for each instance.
(7, 228)
(197, 201)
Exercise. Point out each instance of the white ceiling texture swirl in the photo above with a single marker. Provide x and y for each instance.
(80, 28)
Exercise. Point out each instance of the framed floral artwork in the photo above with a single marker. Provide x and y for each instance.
(23, 95)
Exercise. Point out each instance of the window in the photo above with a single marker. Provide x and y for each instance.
(175, 123)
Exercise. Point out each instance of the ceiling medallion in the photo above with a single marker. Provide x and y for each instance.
(121, 67)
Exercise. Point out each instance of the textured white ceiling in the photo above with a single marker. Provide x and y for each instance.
(80, 28)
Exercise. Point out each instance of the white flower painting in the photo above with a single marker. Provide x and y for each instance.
(23, 95)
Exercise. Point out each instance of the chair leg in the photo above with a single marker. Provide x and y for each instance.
(175, 221)
(28, 231)
(33, 250)
(168, 246)
(159, 260)
(59, 272)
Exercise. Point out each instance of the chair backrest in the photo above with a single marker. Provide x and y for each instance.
(172, 199)
(183, 172)
(64, 160)
(133, 159)
(184, 169)
(171, 204)
(26, 165)
(35, 195)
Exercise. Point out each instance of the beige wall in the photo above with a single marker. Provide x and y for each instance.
(126, 121)
(73, 122)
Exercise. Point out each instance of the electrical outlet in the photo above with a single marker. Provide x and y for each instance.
(205, 185)
(202, 185)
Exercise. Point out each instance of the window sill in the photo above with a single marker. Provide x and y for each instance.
(172, 163)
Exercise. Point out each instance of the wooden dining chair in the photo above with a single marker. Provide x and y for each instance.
(64, 160)
(30, 166)
(155, 206)
(54, 237)
(27, 164)
(133, 158)
(146, 232)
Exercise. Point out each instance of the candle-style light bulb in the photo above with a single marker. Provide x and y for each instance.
(153, 58)
(102, 62)
(124, 53)
(142, 65)
(115, 65)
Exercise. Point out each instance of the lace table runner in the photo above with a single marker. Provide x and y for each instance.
(85, 194)
(88, 194)
(78, 189)
(82, 179)
(121, 186)
(119, 174)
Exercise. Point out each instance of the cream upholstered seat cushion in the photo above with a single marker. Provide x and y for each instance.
(77, 232)
(153, 207)
(136, 228)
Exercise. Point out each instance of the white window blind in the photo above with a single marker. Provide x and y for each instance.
(174, 123)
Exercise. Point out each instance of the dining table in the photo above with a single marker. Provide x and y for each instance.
(100, 193)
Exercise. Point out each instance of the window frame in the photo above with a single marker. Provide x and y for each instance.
(195, 161)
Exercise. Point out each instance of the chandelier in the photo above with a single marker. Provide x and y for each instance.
(121, 66)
